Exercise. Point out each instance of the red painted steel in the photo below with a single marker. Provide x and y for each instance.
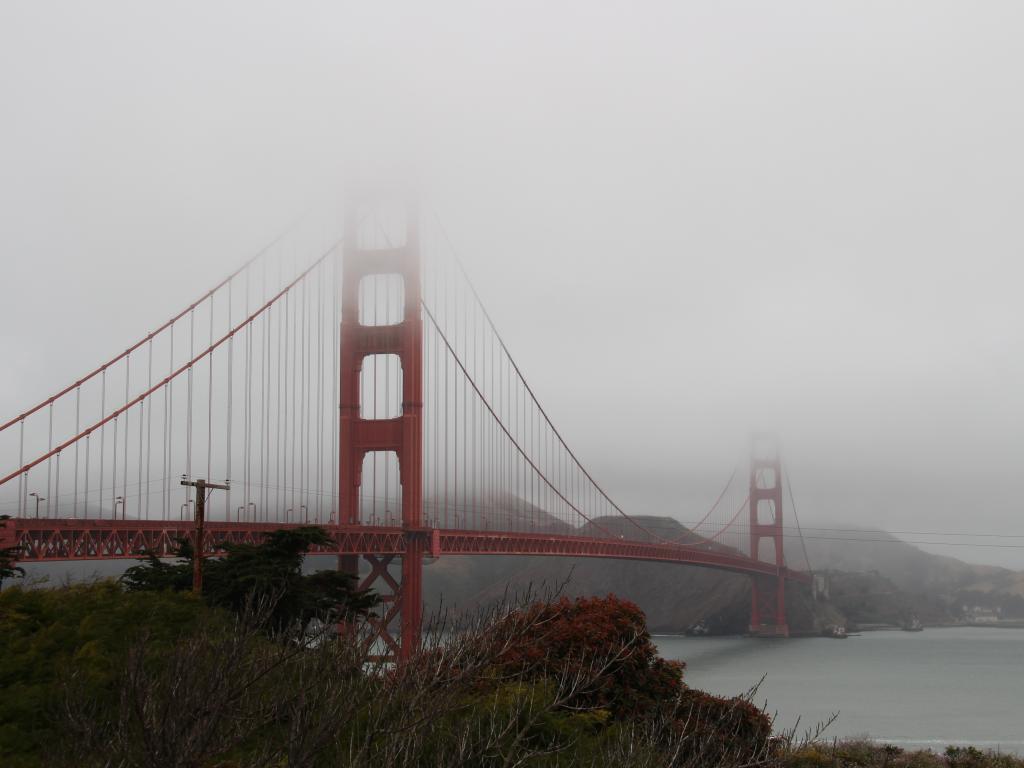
(402, 435)
(48, 540)
(768, 592)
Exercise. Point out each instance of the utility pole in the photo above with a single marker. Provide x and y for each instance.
(197, 557)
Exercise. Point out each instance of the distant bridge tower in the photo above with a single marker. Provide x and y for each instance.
(768, 603)
(401, 435)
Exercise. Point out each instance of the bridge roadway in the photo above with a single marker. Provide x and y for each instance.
(76, 539)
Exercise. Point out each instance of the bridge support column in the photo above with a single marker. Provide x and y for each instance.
(768, 595)
(402, 435)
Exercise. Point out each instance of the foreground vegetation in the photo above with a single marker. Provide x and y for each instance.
(143, 673)
(95, 675)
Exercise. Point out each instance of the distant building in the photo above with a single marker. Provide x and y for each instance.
(981, 614)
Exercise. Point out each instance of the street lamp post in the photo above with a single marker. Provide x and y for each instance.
(38, 499)
(246, 508)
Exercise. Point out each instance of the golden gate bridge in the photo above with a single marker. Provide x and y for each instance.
(357, 383)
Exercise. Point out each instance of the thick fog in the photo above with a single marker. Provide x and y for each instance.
(689, 220)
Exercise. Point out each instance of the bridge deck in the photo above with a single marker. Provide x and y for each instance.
(50, 540)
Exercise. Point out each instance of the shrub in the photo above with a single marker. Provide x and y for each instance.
(604, 635)
(47, 633)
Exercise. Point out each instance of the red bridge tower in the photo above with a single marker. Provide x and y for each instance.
(402, 435)
(768, 604)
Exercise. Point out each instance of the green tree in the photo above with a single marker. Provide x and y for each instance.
(271, 569)
(8, 569)
(155, 575)
(8, 560)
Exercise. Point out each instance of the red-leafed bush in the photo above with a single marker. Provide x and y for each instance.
(601, 640)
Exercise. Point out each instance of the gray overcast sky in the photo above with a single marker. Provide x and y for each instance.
(688, 218)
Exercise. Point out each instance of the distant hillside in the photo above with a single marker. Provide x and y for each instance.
(880, 578)
(908, 567)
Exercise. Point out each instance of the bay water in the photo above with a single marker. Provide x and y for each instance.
(956, 685)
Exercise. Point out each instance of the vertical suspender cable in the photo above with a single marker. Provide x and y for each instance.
(209, 400)
(335, 385)
(796, 518)
(279, 458)
(476, 424)
(303, 459)
(435, 409)
(263, 420)
(103, 436)
(56, 486)
(113, 474)
(488, 384)
(265, 408)
(78, 420)
(85, 499)
(188, 414)
(21, 463)
(452, 319)
(149, 425)
(296, 399)
(307, 442)
(247, 405)
(386, 401)
(289, 369)
(320, 392)
(447, 366)
(230, 414)
(465, 424)
(49, 493)
(168, 429)
(127, 394)
(296, 403)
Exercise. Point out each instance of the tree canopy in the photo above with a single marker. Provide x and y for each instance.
(8, 569)
(8, 558)
(272, 569)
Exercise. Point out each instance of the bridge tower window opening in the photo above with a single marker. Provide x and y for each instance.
(765, 478)
(381, 299)
(380, 489)
(764, 512)
(380, 387)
